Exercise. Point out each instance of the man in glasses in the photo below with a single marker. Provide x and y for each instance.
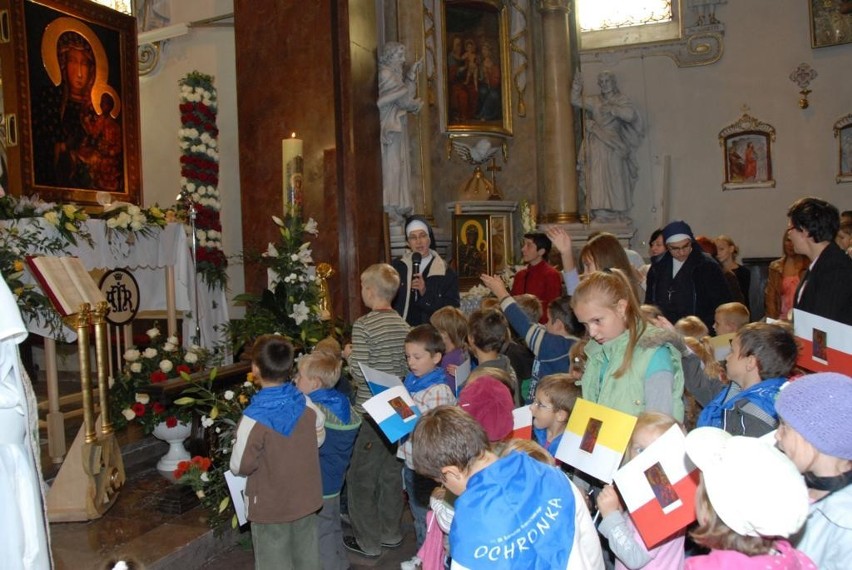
(685, 280)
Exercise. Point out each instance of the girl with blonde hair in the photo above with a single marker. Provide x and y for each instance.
(632, 365)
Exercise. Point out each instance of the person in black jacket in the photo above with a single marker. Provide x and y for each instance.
(685, 280)
(433, 285)
(824, 289)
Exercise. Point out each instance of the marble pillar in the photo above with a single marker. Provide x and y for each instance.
(557, 135)
(411, 33)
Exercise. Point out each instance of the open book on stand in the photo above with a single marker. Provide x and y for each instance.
(66, 283)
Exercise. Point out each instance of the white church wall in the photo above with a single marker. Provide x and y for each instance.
(211, 51)
(765, 40)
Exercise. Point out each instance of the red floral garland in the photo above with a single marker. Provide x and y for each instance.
(200, 173)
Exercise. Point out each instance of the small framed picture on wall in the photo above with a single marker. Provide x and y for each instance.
(747, 154)
(843, 134)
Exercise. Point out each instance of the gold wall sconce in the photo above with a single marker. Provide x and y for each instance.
(802, 76)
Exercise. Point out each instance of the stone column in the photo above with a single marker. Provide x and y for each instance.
(557, 135)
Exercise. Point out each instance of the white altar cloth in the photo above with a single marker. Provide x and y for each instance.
(147, 259)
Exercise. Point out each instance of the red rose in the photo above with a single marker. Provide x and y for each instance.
(138, 409)
(158, 408)
(158, 376)
(171, 421)
(181, 368)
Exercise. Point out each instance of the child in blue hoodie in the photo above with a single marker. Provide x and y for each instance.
(319, 372)
(276, 448)
(762, 357)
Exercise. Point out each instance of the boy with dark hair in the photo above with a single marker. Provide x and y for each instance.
(429, 388)
(762, 357)
(549, 343)
(276, 447)
(511, 512)
(538, 277)
(375, 479)
(824, 289)
(318, 374)
(488, 332)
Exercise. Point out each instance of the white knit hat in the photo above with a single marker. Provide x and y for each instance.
(753, 487)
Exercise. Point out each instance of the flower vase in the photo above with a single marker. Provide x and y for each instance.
(174, 436)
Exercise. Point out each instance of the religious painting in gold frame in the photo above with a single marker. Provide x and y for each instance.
(71, 101)
(830, 22)
(747, 154)
(843, 134)
(475, 73)
(482, 244)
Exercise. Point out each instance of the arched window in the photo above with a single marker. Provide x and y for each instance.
(613, 23)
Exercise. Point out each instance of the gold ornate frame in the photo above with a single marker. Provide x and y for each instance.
(747, 136)
(36, 101)
(843, 134)
(482, 243)
(829, 27)
(482, 21)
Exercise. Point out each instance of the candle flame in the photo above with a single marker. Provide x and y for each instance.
(293, 135)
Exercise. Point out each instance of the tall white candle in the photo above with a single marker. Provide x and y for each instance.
(291, 162)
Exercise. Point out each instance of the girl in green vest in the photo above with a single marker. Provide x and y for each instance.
(631, 365)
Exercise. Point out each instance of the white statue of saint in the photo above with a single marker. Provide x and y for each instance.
(607, 162)
(397, 98)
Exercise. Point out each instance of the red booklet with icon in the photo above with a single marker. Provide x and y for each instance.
(658, 487)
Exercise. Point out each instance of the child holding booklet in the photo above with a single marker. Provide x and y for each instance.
(616, 526)
(429, 388)
(374, 478)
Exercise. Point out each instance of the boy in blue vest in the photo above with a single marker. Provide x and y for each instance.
(762, 357)
(318, 374)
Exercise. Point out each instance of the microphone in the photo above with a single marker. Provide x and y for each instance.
(415, 265)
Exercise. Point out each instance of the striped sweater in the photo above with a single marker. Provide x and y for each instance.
(378, 340)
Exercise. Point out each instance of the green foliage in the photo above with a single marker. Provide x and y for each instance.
(291, 306)
(220, 412)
